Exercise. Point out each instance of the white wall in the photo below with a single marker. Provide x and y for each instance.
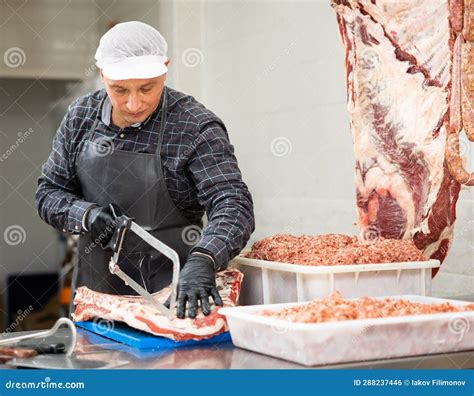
(272, 72)
(47, 39)
(274, 69)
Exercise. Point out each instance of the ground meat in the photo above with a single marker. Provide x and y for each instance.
(334, 308)
(333, 249)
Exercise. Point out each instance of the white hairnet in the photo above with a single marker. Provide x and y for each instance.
(132, 50)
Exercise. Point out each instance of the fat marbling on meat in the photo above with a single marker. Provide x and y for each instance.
(409, 93)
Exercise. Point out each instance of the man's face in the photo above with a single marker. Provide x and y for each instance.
(133, 100)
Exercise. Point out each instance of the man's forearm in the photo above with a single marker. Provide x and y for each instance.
(231, 222)
(61, 209)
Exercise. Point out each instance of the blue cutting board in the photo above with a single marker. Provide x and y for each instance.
(124, 334)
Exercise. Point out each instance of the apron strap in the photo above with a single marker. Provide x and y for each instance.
(90, 131)
(164, 111)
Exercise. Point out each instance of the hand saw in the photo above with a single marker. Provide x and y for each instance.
(125, 224)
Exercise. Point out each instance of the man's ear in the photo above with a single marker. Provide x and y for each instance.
(167, 61)
(101, 75)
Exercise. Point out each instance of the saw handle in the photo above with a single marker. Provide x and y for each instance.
(122, 225)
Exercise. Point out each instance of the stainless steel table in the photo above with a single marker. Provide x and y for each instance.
(226, 356)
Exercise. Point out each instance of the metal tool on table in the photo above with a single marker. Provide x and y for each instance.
(125, 224)
(33, 348)
(58, 361)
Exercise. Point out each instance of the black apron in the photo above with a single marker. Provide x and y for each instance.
(134, 181)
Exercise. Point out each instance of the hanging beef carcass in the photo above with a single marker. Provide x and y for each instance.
(409, 79)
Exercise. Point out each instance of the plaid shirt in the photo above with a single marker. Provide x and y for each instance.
(199, 166)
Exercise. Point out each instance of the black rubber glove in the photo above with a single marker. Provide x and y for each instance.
(197, 282)
(101, 223)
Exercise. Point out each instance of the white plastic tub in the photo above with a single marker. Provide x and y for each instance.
(267, 282)
(313, 344)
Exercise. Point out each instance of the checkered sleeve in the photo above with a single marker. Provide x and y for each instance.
(221, 190)
(58, 199)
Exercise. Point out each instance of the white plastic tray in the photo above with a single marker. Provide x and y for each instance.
(268, 282)
(352, 340)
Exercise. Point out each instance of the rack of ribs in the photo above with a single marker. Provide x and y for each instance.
(137, 313)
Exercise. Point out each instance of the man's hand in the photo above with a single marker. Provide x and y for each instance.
(197, 282)
(101, 223)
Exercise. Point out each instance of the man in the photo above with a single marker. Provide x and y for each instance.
(156, 154)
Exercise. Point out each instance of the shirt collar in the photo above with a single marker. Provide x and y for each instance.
(106, 113)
